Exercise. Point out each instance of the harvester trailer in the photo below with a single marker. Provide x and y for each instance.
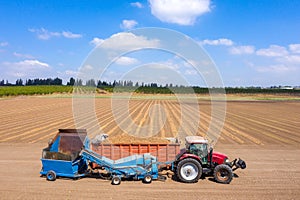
(69, 155)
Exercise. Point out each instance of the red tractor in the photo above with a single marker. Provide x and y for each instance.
(197, 160)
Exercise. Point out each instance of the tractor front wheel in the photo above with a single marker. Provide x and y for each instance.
(223, 174)
(189, 170)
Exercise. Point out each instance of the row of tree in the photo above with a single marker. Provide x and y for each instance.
(36, 81)
(120, 83)
(79, 82)
(128, 85)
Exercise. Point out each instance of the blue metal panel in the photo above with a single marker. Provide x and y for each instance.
(58, 166)
(145, 159)
(67, 168)
(55, 145)
(86, 143)
(129, 161)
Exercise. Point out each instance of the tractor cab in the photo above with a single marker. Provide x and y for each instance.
(198, 146)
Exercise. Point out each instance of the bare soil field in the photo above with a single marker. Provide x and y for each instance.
(264, 133)
(37, 119)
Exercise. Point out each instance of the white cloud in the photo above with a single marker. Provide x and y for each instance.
(290, 59)
(128, 24)
(137, 4)
(273, 51)
(182, 12)
(68, 34)
(66, 75)
(44, 34)
(87, 67)
(96, 41)
(191, 63)
(276, 68)
(25, 69)
(190, 72)
(71, 73)
(294, 48)
(3, 44)
(20, 55)
(238, 50)
(173, 63)
(161, 65)
(124, 60)
(126, 41)
(281, 60)
(221, 41)
(31, 64)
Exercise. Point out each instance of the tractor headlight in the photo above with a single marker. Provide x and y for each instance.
(226, 161)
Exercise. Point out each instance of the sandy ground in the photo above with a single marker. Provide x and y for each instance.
(273, 172)
(266, 134)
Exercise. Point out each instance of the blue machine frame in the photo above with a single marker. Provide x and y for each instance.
(135, 166)
(68, 155)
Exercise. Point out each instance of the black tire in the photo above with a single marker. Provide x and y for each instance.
(162, 178)
(116, 180)
(223, 174)
(189, 170)
(51, 175)
(175, 177)
(147, 179)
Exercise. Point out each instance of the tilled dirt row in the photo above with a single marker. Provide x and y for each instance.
(36, 119)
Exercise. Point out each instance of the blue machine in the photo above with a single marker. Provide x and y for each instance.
(137, 167)
(61, 157)
(68, 155)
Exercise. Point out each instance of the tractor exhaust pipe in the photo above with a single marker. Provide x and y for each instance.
(210, 157)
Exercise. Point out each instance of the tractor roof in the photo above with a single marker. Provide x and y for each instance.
(195, 140)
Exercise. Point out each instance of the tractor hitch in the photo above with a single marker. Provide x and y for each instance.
(238, 163)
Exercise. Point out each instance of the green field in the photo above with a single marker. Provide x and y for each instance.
(61, 89)
(33, 90)
(196, 90)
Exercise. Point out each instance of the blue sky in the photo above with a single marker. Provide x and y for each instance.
(252, 42)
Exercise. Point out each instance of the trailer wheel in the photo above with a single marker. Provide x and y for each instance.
(223, 174)
(51, 176)
(147, 179)
(116, 180)
(189, 170)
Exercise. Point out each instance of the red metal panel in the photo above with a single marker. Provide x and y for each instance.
(163, 152)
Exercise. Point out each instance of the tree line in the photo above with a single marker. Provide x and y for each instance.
(79, 82)
(36, 81)
(148, 88)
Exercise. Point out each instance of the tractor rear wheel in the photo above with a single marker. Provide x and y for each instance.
(189, 170)
(223, 174)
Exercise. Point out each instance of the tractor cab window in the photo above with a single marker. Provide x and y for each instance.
(199, 150)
